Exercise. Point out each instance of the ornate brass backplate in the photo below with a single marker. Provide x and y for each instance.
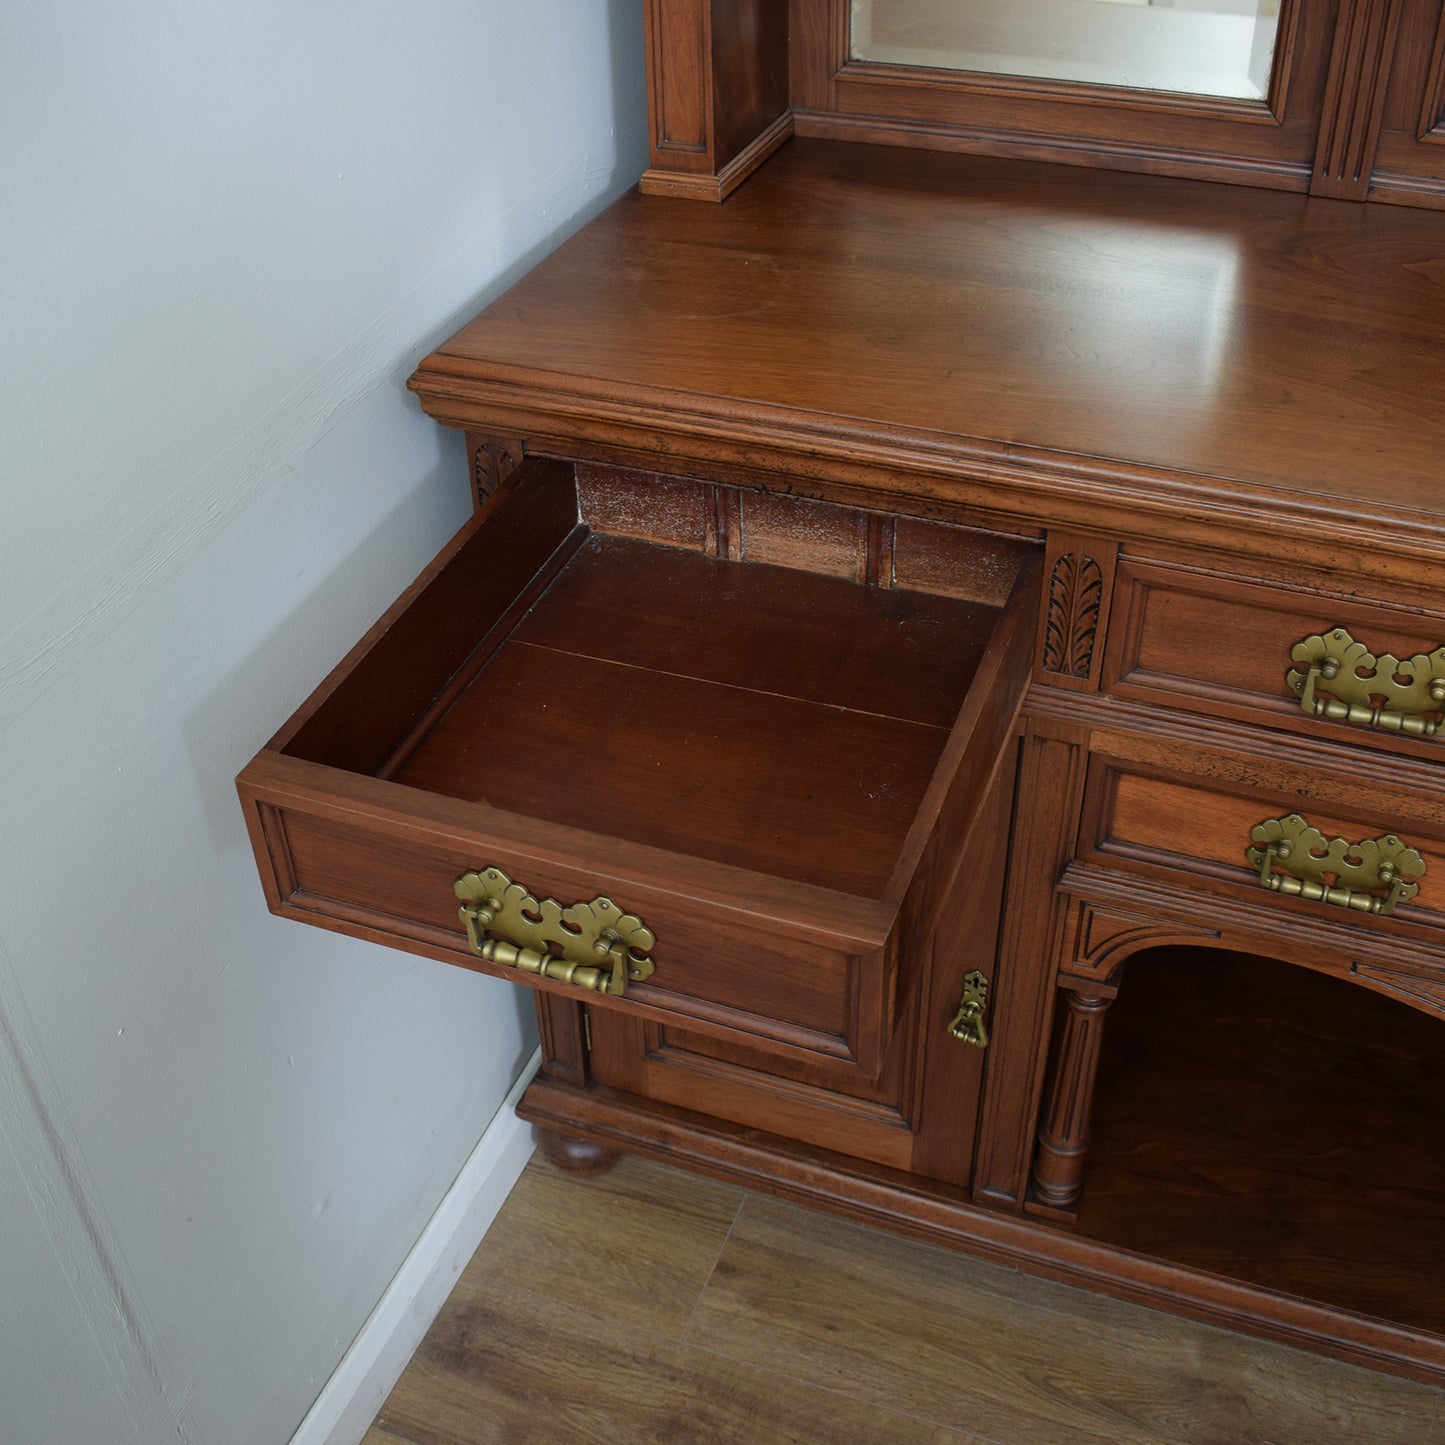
(592, 945)
(1342, 680)
(1371, 876)
(968, 1024)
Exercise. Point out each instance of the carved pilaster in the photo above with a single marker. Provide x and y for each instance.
(1354, 97)
(1050, 781)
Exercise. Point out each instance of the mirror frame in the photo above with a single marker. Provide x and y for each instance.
(1269, 142)
(1356, 107)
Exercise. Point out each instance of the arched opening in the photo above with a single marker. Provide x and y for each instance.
(1275, 1125)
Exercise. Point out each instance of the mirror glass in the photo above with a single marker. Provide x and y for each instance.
(1199, 47)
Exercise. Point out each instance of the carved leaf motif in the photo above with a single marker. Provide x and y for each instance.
(491, 464)
(1076, 589)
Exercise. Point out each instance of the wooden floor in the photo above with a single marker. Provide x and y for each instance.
(650, 1305)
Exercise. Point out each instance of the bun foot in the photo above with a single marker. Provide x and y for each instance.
(576, 1156)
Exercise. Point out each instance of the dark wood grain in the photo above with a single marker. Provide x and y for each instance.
(919, 1111)
(679, 80)
(761, 525)
(794, 969)
(1341, 75)
(746, 972)
(818, 1105)
(750, 69)
(1410, 156)
(1051, 780)
(944, 1103)
(927, 879)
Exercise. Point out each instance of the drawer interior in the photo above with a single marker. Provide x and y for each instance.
(778, 715)
(765, 726)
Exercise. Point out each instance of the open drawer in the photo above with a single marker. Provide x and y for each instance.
(755, 778)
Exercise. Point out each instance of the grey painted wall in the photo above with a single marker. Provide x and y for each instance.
(229, 231)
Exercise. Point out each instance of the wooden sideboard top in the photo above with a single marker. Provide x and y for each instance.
(1210, 356)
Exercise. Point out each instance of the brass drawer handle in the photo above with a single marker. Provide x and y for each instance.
(1380, 692)
(1332, 870)
(592, 945)
(968, 1024)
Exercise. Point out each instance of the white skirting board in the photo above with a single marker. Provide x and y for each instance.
(348, 1403)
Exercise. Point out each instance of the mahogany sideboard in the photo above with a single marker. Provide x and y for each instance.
(941, 697)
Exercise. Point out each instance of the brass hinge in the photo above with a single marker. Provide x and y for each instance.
(968, 1025)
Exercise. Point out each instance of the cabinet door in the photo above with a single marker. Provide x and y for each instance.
(920, 1113)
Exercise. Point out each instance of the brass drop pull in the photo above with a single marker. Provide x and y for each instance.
(1342, 680)
(592, 945)
(1371, 876)
(968, 1024)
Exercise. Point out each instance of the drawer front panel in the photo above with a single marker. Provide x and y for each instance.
(1198, 832)
(1223, 646)
(714, 967)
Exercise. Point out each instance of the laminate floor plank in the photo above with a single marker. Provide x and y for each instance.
(636, 1245)
(1022, 1360)
(648, 1305)
(504, 1366)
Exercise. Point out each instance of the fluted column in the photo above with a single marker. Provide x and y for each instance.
(1064, 1130)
